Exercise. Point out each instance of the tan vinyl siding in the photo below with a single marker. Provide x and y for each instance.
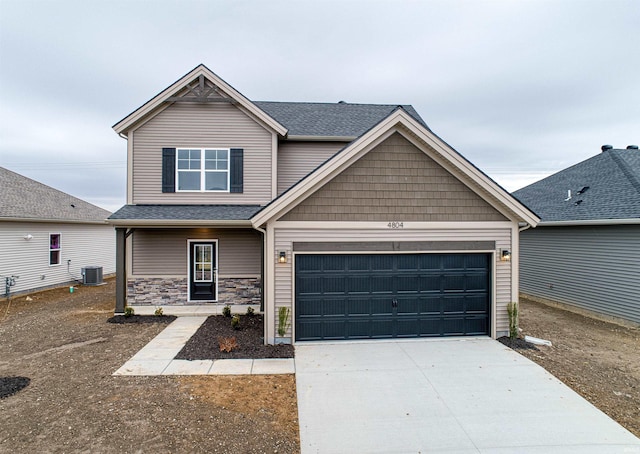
(394, 181)
(201, 125)
(285, 237)
(297, 159)
(164, 252)
(84, 245)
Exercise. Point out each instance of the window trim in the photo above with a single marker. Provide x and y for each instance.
(59, 249)
(203, 170)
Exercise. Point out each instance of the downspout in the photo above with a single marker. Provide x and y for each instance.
(526, 227)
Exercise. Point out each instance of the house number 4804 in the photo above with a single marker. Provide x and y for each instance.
(395, 225)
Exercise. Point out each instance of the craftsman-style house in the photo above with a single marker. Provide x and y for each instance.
(356, 218)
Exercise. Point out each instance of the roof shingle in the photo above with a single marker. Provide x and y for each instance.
(330, 119)
(613, 181)
(24, 198)
(186, 212)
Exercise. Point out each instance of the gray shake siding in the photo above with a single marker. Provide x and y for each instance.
(297, 159)
(163, 252)
(596, 268)
(394, 181)
(201, 125)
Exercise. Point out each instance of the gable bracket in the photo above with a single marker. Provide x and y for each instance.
(200, 93)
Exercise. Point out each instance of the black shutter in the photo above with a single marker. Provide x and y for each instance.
(237, 172)
(168, 170)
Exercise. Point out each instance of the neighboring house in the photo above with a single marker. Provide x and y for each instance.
(47, 236)
(586, 250)
(355, 217)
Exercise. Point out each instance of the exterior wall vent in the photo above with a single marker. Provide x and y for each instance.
(92, 275)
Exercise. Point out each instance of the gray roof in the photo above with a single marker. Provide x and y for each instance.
(186, 212)
(613, 181)
(330, 119)
(24, 198)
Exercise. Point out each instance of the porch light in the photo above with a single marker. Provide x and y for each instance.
(282, 257)
(505, 255)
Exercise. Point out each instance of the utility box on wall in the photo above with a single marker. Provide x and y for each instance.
(92, 275)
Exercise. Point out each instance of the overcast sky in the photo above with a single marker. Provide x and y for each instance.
(521, 88)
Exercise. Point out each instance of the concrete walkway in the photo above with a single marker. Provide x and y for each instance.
(157, 357)
(442, 396)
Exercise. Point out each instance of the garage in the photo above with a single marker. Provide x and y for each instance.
(377, 296)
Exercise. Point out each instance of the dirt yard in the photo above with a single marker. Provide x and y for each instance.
(64, 349)
(63, 344)
(599, 360)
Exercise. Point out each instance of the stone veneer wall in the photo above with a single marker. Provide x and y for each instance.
(156, 291)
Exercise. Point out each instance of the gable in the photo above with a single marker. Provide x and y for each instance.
(394, 181)
(203, 86)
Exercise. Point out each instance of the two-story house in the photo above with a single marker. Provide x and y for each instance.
(356, 217)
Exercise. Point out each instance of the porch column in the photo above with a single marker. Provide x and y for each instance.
(121, 269)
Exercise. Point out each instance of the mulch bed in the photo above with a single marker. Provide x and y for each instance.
(11, 385)
(204, 344)
(517, 343)
(121, 319)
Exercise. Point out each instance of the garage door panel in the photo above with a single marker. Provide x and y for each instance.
(431, 283)
(475, 304)
(358, 284)
(382, 284)
(382, 262)
(453, 282)
(369, 296)
(408, 283)
(453, 262)
(477, 281)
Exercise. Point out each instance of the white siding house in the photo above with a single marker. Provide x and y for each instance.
(47, 236)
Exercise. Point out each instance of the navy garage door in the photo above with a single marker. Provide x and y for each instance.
(368, 296)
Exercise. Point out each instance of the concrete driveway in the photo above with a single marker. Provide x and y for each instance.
(453, 396)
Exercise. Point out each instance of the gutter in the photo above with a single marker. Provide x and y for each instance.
(633, 221)
(56, 221)
(178, 223)
(322, 138)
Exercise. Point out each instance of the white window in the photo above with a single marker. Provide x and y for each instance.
(202, 169)
(54, 249)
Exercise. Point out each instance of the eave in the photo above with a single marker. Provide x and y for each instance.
(54, 221)
(158, 223)
(633, 221)
(322, 138)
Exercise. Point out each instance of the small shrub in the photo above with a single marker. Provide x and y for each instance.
(512, 310)
(158, 312)
(227, 344)
(226, 311)
(283, 320)
(235, 322)
(128, 311)
(250, 311)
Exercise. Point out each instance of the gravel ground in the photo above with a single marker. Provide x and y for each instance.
(64, 346)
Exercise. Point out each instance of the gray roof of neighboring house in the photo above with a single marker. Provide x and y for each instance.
(186, 212)
(330, 119)
(613, 181)
(24, 198)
